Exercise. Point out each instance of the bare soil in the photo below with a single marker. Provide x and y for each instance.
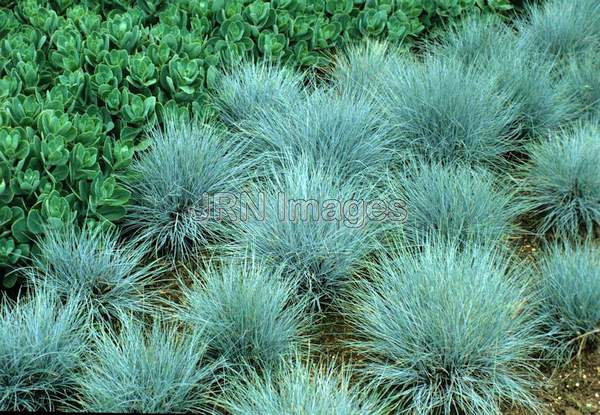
(571, 390)
(575, 389)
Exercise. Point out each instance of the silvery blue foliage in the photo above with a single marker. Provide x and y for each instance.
(158, 369)
(345, 131)
(448, 329)
(42, 344)
(298, 389)
(250, 87)
(445, 112)
(562, 29)
(581, 78)
(475, 40)
(569, 279)
(488, 44)
(359, 67)
(175, 182)
(309, 227)
(455, 202)
(107, 277)
(249, 313)
(563, 181)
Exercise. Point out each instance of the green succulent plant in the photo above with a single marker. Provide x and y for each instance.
(57, 167)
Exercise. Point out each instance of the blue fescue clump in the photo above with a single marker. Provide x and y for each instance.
(345, 131)
(475, 40)
(303, 229)
(175, 182)
(569, 279)
(298, 389)
(563, 181)
(160, 370)
(91, 266)
(543, 105)
(562, 29)
(455, 203)
(581, 78)
(42, 342)
(248, 313)
(488, 44)
(446, 112)
(357, 67)
(447, 330)
(251, 87)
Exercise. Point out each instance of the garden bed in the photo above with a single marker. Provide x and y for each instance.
(349, 207)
